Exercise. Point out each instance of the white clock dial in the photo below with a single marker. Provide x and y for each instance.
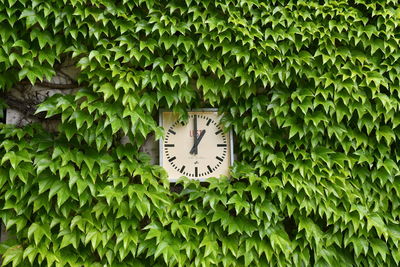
(200, 156)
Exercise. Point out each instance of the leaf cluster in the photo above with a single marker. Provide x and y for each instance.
(310, 89)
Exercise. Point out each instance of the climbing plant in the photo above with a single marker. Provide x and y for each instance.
(309, 88)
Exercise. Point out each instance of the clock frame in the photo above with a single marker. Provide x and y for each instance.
(212, 158)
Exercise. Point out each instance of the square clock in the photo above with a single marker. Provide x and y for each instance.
(199, 149)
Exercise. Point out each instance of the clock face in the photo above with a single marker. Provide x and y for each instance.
(198, 150)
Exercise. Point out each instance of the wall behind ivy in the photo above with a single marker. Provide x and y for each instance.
(309, 88)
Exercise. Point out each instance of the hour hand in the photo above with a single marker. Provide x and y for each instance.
(194, 148)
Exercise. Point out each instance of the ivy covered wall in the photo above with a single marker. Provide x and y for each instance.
(309, 88)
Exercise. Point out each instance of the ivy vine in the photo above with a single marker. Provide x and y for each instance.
(310, 89)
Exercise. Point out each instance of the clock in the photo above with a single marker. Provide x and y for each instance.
(199, 149)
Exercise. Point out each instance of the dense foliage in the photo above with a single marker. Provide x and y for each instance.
(310, 89)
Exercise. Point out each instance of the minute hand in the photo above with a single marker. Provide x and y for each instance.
(194, 148)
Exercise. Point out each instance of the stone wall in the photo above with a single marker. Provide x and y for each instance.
(24, 98)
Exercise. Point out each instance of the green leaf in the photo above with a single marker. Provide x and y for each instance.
(379, 247)
(13, 254)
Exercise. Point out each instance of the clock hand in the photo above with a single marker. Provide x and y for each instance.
(194, 135)
(194, 148)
